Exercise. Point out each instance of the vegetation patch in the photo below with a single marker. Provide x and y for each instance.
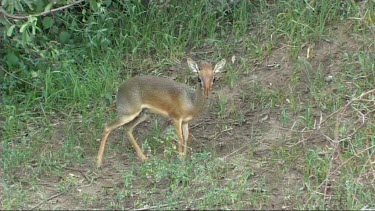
(290, 124)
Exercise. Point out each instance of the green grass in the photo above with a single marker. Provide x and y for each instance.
(269, 141)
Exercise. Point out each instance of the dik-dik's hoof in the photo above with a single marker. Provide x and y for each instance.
(99, 163)
(182, 155)
(142, 157)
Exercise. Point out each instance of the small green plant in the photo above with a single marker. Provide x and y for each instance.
(233, 77)
(285, 116)
(88, 198)
(317, 167)
(241, 119)
(222, 109)
(309, 119)
(14, 196)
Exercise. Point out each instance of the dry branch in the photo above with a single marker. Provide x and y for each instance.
(50, 198)
(24, 17)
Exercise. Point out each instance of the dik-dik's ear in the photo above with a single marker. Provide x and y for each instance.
(219, 66)
(192, 65)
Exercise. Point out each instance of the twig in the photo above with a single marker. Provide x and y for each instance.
(16, 76)
(202, 122)
(226, 156)
(162, 205)
(20, 17)
(297, 131)
(50, 198)
(81, 172)
(348, 104)
(366, 93)
(346, 161)
(301, 141)
(153, 207)
(337, 111)
(336, 162)
(330, 172)
(216, 135)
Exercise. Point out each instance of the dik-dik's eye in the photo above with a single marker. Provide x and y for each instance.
(200, 81)
(214, 79)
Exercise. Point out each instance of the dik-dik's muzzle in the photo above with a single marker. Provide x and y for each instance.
(207, 88)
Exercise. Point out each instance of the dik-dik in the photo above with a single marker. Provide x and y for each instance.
(178, 101)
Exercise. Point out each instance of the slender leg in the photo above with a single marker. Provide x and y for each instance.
(138, 150)
(107, 130)
(103, 143)
(136, 121)
(129, 130)
(185, 131)
(178, 125)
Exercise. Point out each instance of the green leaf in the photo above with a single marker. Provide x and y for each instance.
(94, 5)
(39, 5)
(32, 20)
(11, 58)
(33, 29)
(18, 6)
(47, 22)
(48, 7)
(4, 3)
(64, 37)
(25, 37)
(29, 4)
(10, 30)
(23, 27)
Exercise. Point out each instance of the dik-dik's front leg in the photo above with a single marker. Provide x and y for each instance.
(185, 131)
(178, 125)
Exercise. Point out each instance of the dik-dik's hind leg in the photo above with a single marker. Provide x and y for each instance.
(121, 120)
(129, 130)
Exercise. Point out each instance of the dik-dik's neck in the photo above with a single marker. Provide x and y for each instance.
(200, 100)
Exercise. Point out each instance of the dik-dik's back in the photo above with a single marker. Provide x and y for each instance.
(160, 95)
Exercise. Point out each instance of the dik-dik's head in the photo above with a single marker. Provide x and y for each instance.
(206, 74)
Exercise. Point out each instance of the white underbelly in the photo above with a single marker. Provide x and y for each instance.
(155, 110)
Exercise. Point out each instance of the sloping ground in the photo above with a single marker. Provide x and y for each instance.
(250, 150)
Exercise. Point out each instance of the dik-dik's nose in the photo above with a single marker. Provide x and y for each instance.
(207, 87)
(207, 92)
